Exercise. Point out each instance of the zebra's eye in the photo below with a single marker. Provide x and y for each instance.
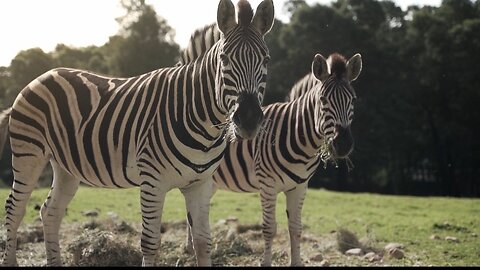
(225, 60)
(266, 60)
(323, 100)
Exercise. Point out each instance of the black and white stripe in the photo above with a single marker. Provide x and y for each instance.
(161, 130)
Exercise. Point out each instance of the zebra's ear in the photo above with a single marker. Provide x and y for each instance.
(264, 17)
(226, 16)
(320, 68)
(354, 66)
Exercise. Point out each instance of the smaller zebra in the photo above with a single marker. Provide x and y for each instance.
(314, 126)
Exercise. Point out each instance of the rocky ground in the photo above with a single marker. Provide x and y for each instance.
(115, 243)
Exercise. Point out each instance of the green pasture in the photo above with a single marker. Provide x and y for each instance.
(408, 220)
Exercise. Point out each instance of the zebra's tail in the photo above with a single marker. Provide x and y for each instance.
(4, 119)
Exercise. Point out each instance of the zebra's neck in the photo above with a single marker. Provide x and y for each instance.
(201, 76)
(307, 110)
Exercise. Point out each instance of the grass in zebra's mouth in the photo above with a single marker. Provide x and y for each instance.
(326, 155)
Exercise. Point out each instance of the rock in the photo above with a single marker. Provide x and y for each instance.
(393, 246)
(434, 237)
(372, 257)
(452, 239)
(396, 253)
(221, 222)
(354, 251)
(112, 215)
(316, 245)
(325, 263)
(317, 258)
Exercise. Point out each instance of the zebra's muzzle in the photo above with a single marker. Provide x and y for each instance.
(342, 144)
(248, 117)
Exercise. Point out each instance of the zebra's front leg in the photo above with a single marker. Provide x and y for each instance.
(152, 199)
(189, 240)
(269, 226)
(63, 189)
(197, 198)
(295, 200)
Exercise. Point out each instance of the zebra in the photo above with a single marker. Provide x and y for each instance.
(160, 130)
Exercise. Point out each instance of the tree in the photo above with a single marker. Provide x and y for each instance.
(145, 42)
(88, 58)
(26, 66)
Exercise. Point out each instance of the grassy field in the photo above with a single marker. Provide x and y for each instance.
(410, 221)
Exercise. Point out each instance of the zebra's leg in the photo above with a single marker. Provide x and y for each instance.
(152, 198)
(26, 171)
(268, 198)
(295, 200)
(189, 244)
(64, 187)
(197, 198)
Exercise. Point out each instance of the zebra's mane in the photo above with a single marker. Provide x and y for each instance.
(338, 64)
(200, 42)
(245, 13)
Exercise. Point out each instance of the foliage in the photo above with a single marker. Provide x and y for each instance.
(142, 31)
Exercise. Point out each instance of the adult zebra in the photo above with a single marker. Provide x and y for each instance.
(161, 130)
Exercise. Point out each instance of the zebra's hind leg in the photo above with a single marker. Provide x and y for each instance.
(26, 171)
(64, 187)
(152, 199)
(197, 198)
(268, 198)
(295, 200)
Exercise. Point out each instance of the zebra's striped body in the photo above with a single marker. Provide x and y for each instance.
(161, 130)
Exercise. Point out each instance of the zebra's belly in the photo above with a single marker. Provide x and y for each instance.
(111, 174)
(252, 181)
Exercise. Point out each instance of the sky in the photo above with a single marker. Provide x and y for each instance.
(26, 24)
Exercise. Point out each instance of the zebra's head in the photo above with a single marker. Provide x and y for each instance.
(242, 63)
(336, 98)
